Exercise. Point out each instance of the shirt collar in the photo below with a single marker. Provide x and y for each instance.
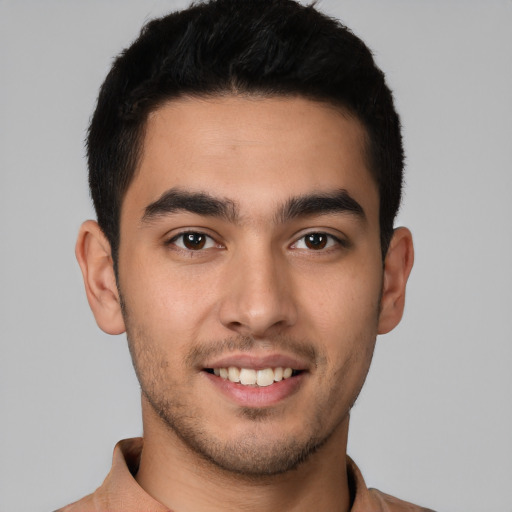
(120, 490)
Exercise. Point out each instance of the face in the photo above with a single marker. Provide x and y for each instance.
(250, 273)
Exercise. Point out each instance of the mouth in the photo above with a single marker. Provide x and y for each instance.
(255, 378)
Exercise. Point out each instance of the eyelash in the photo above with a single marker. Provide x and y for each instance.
(182, 235)
(331, 242)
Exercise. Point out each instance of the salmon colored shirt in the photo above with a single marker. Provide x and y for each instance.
(120, 492)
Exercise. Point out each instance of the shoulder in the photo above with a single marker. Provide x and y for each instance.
(86, 504)
(389, 503)
(373, 500)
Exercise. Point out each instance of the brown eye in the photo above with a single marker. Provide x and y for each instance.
(194, 241)
(316, 241)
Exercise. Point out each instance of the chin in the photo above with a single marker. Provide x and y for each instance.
(256, 448)
(254, 458)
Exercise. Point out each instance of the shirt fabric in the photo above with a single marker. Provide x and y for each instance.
(120, 492)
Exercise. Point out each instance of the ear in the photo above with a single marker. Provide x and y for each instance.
(397, 267)
(95, 259)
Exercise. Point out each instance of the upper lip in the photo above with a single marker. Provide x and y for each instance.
(257, 362)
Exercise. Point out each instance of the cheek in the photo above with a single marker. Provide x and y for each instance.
(166, 303)
(345, 303)
(344, 316)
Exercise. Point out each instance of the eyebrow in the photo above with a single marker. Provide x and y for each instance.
(307, 205)
(201, 203)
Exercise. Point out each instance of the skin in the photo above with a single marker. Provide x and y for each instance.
(256, 290)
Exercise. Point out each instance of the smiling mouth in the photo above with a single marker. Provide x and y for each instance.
(255, 378)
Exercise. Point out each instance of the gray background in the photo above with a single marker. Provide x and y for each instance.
(434, 422)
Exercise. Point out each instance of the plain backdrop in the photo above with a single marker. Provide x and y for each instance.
(434, 422)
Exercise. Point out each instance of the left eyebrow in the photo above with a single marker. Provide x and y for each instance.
(320, 204)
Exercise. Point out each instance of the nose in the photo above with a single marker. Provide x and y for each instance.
(259, 298)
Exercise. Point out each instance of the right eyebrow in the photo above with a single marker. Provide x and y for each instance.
(200, 203)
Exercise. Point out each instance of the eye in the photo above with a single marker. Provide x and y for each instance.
(316, 241)
(193, 241)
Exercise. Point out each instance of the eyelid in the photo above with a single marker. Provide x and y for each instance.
(171, 240)
(338, 240)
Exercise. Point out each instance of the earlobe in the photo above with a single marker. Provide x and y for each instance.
(397, 267)
(94, 257)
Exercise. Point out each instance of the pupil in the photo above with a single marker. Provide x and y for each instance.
(194, 240)
(316, 241)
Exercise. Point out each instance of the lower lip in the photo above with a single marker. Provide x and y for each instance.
(252, 396)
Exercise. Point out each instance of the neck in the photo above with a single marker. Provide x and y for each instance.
(184, 481)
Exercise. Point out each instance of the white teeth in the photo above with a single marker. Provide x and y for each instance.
(233, 374)
(250, 377)
(247, 376)
(265, 377)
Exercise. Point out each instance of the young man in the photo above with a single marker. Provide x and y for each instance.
(246, 165)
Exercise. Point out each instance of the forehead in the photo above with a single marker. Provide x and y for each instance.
(252, 149)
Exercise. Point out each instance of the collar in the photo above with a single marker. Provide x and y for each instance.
(120, 492)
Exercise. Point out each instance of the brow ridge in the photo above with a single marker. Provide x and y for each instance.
(201, 203)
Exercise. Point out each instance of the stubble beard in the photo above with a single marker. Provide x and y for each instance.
(252, 456)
